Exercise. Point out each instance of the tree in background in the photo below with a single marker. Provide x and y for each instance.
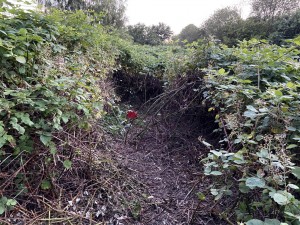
(253, 27)
(159, 33)
(138, 32)
(270, 9)
(150, 35)
(274, 20)
(113, 11)
(224, 25)
(285, 27)
(190, 34)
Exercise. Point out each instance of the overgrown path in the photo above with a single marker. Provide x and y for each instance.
(164, 158)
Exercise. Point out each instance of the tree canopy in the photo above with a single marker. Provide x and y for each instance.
(190, 33)
(113, 11)
(150, 35)
(270, 9)
(222, 24)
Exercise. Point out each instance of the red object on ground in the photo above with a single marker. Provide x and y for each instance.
(131, 114)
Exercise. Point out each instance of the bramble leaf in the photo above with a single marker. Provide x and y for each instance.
(21, 59)
(255, 222)
(45, 139)
(67, 164)
(280, 199)
(254, 182)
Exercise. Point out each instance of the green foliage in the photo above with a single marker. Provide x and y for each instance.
(51, 66)
(112, 11)
(6, 204)
(254, 90)
(223, 24)
(270, 9)
(273, 20)
(190, 34)
(153, 35)
(164, 62)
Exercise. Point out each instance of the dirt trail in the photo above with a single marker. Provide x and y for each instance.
(166, 161)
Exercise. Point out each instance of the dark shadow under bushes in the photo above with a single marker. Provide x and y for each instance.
(182, 102)
(136, 89)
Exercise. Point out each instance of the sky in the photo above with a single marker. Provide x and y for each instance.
(178, 13)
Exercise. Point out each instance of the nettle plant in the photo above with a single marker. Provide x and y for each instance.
(257, 101)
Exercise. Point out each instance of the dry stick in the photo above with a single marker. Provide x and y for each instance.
(194, 213)
(32, 221)
(66, 212)
(258, 78)
(162, 96)
(2, 222)
(160, 108)
(11, 160)
(194, 186)
(3, 186)
(227, 136)
(226, 219)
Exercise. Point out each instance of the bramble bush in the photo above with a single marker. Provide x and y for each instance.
(254, 90)
(51, 67)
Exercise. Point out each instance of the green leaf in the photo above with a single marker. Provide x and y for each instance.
(2, 141)
(250, 114)
(16, 126)
(291, 146)
(280, 199)
(2, 208)
(296, 41)
(296, 171)
(216, 153)
(255, 222)
(278, 93)
(21, 59)
(222, 71)
(22, 70)
(290, 85)
(45, 139)
(45, 184)
(53, 149)
(214, 192)
(201, 196)
(243, 188)
(65, 118)
(291, 215)
(67, 164)
(216, 173)
(292, 128)
(293, 186)
(22, 31)
(11, 202)
(24, 117)
(272, 222)
(254, 182)
(251, 108)
(259, 137)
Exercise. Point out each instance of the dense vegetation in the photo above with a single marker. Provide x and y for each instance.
(253, 88)
(51, 69)
(55, 67)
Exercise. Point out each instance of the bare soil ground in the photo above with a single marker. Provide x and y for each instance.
(165, 159)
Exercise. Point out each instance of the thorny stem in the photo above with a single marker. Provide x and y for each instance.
(227, 136)
(258, 77)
